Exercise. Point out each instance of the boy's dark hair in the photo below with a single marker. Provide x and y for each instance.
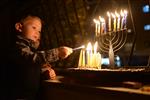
(32, 16)
(23, 17)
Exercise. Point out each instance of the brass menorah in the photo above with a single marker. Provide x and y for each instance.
(114, 37)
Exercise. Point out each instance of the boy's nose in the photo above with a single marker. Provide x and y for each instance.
(36, 37)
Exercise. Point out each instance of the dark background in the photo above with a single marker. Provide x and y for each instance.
(70, 23)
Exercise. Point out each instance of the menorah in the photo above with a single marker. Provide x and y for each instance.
(111, 36)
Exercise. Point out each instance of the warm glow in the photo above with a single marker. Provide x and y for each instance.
(121, 13)
(113, 15)
(108, 14)
(102, 19)
(117, 15)
(96, 21)
(89, 46)
(125, 12)
(82, 46)
(95, 47)
(90, 58)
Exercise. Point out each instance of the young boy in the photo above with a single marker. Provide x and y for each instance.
(27, 61)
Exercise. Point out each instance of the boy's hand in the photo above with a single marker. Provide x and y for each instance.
(48, 72)
(64, 52)
(52, 74)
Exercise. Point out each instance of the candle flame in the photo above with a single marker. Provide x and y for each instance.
(96, 21)
(113, 15)
(89, 46)
(108, 14)
(102, 19)
(121, 13)
(125, 12)
(117, 15)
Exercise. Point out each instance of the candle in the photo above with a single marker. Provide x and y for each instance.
(95, 54)
(114, 21)
(102, 20)
(105, 27)
(98, 62)
(118, 20)
(101, 24)
(80, 59)
(89, 54)
(125, 18)
(122, 20)
(95, 47)
(81, 62)
(83, 57)
(99, 28)
(96, 26)
(109, 21)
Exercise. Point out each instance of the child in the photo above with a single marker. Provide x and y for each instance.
(27, 61)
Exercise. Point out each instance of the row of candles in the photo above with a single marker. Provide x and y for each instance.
(115, 22)
(89, 57)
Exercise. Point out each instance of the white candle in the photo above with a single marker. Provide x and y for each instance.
(102, 21)
(96, 27)
(109, 21)
(99, 28)
(105, 27)
(95, 47)
(125, 18)
(93, 60)
(89, 54)
(114, 21)
(122, 20)
(98, 60)
(95, 54)
(118, 20)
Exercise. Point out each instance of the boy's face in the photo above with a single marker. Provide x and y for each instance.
(31, 29)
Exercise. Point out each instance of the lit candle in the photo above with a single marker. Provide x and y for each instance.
(80, 59)
(102, 20)
(98, 62)
(122, 20)
(109, 21)
(83, 56)
(96, 26)
(89, 54)
(105, 27)
(118, 20)
(114, 21)
(81, 62)
(125, 18)
(99, 28)
(94, 58)
(95, 47)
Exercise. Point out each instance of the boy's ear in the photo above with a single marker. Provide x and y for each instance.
(18, 27)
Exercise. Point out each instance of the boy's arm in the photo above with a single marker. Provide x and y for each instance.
(26, 53)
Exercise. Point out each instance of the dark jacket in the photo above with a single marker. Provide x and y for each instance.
(24, 68)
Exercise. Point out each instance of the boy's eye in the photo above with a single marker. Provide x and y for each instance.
(33, 27)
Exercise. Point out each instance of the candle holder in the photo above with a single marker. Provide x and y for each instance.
(111, 33)
(111, 42)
